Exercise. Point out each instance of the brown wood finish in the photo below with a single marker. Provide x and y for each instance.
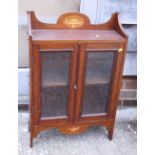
(73, 33)
(80, 81)
(73, 74)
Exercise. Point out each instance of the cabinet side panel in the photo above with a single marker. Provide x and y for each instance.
(36, 84)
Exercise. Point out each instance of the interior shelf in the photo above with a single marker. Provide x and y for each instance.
(94, 76)
(54, 100)
(55, 68)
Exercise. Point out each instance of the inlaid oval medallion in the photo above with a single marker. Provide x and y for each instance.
(73, 129)
(73, 20)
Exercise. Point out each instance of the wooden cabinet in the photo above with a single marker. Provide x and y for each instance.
(76, 71)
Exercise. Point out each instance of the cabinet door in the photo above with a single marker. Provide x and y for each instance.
(56, 75)
(99, 82)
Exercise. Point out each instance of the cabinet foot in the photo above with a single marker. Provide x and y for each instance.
(110, 133)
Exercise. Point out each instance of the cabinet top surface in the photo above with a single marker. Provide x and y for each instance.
(76, 35)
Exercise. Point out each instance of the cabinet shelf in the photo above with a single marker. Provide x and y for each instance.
(52, 78)
(96, 96)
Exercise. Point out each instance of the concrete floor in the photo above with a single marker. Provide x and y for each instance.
(92, 142)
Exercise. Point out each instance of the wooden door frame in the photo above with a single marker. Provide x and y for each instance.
(37, 49)
(115, 78)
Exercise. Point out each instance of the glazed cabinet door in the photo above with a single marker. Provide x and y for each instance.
(54, 73)
(100, 69)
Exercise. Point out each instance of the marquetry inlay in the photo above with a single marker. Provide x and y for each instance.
(73, 21)
(74, 128)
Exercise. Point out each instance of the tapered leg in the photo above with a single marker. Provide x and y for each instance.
(110, 133)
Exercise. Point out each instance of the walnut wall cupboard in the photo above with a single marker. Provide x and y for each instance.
(75, 73)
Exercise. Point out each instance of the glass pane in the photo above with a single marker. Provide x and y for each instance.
(97, 83)
(55, 70)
